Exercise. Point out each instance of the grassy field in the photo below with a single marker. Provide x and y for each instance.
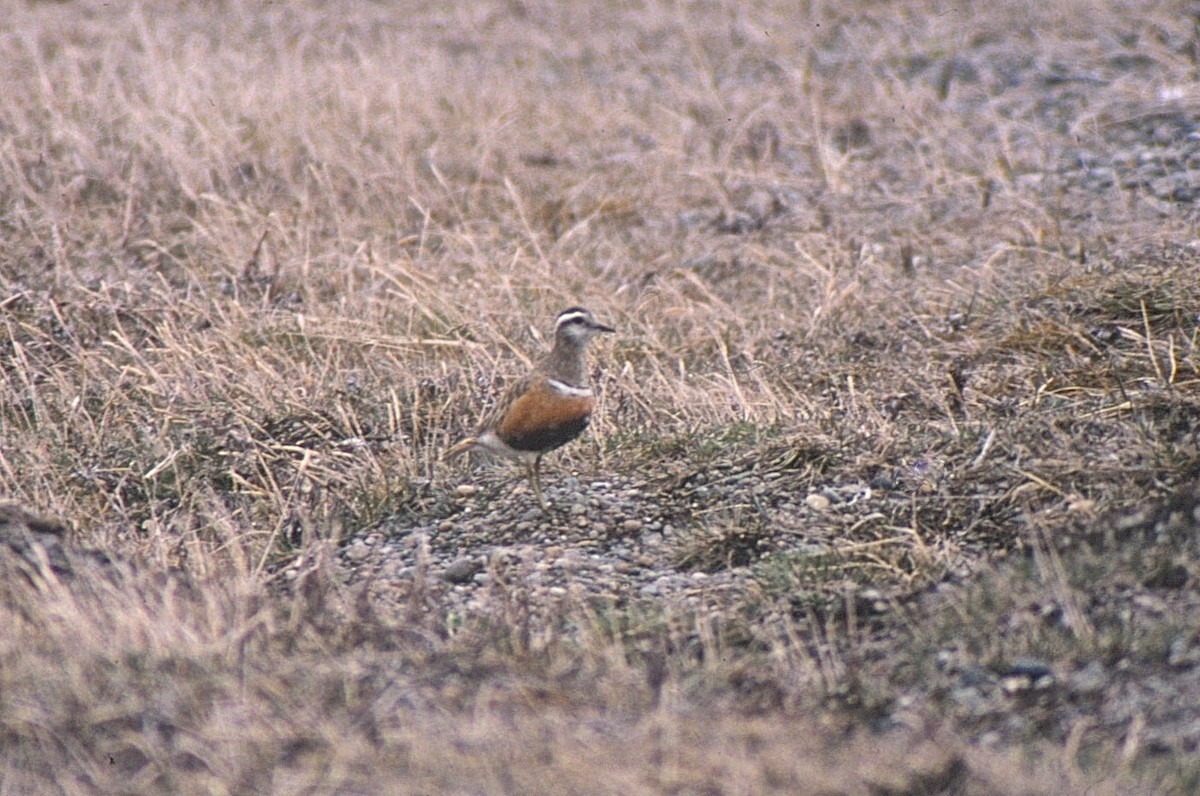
(907, 298)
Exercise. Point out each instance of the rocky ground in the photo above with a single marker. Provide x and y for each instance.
(892, 485)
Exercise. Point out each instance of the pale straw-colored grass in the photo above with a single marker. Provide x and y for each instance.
(261, 263)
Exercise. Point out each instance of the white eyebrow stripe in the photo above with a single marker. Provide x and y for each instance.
(574, 316)
(562, 388)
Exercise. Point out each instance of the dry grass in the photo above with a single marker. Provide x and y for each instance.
(260, 265)
(134, 683)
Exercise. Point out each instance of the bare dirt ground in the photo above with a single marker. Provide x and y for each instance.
(894, 482)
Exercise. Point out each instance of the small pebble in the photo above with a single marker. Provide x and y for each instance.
(357, 551)
(462, 569)
(817, 501)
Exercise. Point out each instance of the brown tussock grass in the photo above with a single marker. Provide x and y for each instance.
(261, 265)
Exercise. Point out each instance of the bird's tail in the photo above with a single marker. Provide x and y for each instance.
(460, 448)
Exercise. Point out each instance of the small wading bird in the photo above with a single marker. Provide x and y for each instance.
(546, 409)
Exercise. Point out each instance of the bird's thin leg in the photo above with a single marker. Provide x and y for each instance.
(535, 478)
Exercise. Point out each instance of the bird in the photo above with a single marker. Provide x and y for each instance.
(547, 408)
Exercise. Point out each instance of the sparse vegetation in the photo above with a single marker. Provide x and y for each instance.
(891, 484)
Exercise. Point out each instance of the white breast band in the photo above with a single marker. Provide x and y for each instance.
(566, 389)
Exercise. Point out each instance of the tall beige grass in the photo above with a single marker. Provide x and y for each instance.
(261, 263)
